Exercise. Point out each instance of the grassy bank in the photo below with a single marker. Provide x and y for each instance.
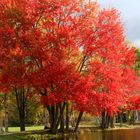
(31, 133)
(37, 132)
(40, 129)
(29, 128)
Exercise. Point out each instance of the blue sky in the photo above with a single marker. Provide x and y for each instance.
(130, 15)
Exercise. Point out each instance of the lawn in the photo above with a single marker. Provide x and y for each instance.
(9, 138)
(29, 128)
(12, 135)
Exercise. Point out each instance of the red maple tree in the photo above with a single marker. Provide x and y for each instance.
(69, 52)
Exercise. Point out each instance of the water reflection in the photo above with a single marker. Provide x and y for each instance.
(105, 135)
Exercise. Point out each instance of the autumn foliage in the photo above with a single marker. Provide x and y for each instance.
(66, 51)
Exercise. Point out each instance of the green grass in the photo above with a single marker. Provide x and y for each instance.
(22, 136)
(30, 134)
(9, 138)
(29, 128)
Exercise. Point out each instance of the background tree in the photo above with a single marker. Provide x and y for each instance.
(137, 62)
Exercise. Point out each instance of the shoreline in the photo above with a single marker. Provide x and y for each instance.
(81, 129)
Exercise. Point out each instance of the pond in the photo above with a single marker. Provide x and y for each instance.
(133, 134)
(128, 134)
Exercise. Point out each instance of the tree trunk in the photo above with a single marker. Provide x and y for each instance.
(67, 117)
(103, 123)
(121, 119)
(21, 101)
(46, 119)
(6, 112)
(62, 108)
(62, 123)
(78, 121)
(22, 123)
(52, 117)
(112, 122)
(107, 122)
(55, 118)
(136, 116)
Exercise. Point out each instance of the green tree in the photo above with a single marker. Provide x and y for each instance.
(137, 62)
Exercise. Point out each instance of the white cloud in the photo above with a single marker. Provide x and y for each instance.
(137, 43)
